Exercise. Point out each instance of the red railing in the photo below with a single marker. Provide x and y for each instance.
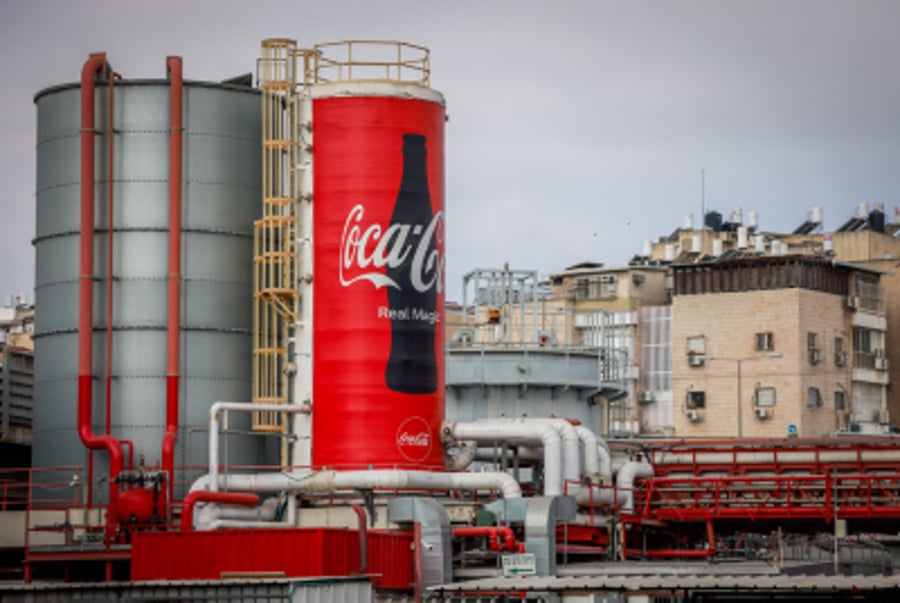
(771, 497)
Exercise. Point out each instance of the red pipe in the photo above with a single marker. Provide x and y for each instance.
(225, 498)
(494, 534)
(173, 66)
(363, 538)
(109, 252)
(678, 553)
(94, 64)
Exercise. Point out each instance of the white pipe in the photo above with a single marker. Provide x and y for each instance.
(524, 453)
(327, 482)
(517, 433)
(568, 435)
(218, 407)
(225, 524)
(206, 515)
(464, 456)
(605, 461)
(590, 450)
(626, 478)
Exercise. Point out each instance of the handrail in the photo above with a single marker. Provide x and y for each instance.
(371, 60)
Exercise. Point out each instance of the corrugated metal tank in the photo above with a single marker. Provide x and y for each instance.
(221, 197)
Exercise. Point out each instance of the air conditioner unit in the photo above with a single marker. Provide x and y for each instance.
(881, 363)
(693, 416)
(645, 397)
(464, 336)
(762, 413)
(696, 359)
(852, 302)
(840, 358)
(815, 356)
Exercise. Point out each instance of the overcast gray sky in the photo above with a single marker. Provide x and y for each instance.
(577, 128)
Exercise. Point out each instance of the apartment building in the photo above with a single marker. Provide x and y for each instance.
(769, 346)
(16, 381)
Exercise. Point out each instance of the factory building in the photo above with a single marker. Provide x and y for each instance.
(241, 388)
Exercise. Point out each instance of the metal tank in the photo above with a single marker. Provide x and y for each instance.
(378, 287)
(219, 196)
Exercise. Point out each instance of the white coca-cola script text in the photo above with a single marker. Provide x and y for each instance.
(367, 250)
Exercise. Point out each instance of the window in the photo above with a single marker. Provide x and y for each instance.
(765, 342)
(839, 400)
(811, 341)
(840, 356)
(813, 397)
(608, 286)
(862, 340)
(601, 287)
(696, 400)
(765, 396)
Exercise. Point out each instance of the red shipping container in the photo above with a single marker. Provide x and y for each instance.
(300, 552)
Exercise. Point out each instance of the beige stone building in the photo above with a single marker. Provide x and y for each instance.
(769, 346)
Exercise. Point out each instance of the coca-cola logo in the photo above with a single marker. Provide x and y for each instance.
(367, 250)
(414, 439)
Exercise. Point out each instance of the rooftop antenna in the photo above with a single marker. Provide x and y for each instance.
(702, 198)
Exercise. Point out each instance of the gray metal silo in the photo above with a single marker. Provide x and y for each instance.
(220, 194)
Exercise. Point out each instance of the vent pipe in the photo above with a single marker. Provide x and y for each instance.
(173, 362)
(95, 64)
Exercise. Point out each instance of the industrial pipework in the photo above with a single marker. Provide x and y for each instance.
(94, 65)
(173, 349)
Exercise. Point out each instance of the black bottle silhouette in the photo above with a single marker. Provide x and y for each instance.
(412, 366)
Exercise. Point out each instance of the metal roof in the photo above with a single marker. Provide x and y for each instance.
(700, 581)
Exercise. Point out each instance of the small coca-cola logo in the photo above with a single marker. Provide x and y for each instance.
(414, 439)
(367, 250)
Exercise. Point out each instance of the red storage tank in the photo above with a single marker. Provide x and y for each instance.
(378, 320)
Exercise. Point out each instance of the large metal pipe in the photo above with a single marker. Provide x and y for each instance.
(328, 482)
(626, 479)
(597, 466)
(173, 363)
(516, 433)
(259, 516)
(226, 498)
(569, 439)
(95, 64)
